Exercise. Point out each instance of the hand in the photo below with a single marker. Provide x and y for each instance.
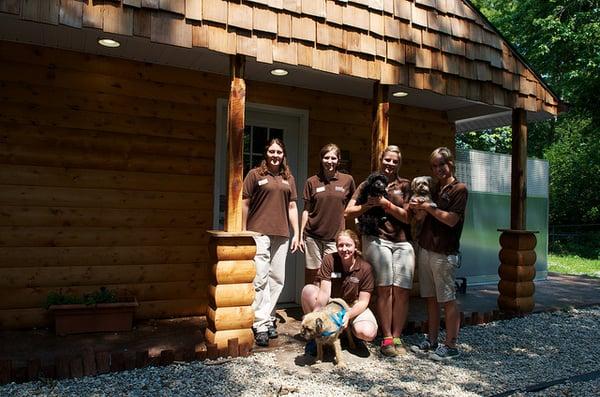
(418, 205)
(373, 201)
(295, 245)
(301, 245)
(417, 200)
(346, 319)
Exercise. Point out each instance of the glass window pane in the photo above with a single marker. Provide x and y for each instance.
(259, 139)
(276, 133)
(256, 159)
(247, 137)
(247, 165)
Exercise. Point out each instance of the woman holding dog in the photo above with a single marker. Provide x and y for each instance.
(438, 254)
(389, 251)
(325, 197)
(269, 207)
(345, 274)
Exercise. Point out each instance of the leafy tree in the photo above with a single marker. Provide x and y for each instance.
(561, 40)
(492, 140)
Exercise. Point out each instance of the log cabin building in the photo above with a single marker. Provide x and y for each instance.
(114, 161)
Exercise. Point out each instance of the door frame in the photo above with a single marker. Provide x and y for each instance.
(300, 174)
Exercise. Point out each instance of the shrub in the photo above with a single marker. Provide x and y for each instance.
(103, 295)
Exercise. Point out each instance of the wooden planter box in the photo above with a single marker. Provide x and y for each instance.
(102, 317)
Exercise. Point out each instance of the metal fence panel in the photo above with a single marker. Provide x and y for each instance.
(487, 176)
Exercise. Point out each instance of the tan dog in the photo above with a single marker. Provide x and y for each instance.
(422, 188)
(325, 326)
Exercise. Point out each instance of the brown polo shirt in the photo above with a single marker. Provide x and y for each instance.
(325, 202)
(346, 283)
(399, 194)
(437, 236)
(270, 196)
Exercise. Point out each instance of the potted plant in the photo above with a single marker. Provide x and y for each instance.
(100, 311)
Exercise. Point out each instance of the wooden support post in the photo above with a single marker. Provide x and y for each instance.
(518, 189)
(231, 293)
(235, 144)
(517, 254)
(379, 130)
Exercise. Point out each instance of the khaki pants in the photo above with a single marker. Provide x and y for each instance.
(271, 252)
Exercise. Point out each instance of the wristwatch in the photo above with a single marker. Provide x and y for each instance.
(433, 205)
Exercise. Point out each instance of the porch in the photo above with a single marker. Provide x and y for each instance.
(28, 355)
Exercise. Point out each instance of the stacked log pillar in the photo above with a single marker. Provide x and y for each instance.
(517, 253)
(231, 292)
(517, 271)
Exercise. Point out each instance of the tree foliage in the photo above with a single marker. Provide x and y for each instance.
(560, 39)
(492, 140)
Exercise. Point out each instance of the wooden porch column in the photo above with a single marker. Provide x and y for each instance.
(236, 109)
(517, 253)
(518, 187)
(381, 122)
(231, 292)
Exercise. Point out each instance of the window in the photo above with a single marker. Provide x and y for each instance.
(255, 140)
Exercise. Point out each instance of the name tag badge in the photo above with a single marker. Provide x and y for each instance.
(339, 188)
(320, 189)
(285, 182)
(336, 275)
(263, 182)
(398, 191)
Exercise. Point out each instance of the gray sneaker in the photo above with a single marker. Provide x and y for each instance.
(444, 353)
(424, 347)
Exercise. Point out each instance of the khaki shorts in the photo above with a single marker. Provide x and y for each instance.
(315, 250)
(393, 263)
(367, 315)
(436, 275)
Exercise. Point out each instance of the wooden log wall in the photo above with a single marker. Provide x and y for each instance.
(347, 121)
(106, 173)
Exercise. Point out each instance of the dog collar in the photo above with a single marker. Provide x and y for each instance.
(338, 319)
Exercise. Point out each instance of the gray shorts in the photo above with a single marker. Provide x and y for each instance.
(436, 275)
(393, 263)
(315, 250)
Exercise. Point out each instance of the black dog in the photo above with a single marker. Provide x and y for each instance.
(369, 221)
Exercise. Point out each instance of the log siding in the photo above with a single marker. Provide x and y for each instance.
(106, 174)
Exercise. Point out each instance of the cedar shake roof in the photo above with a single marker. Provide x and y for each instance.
(444, 46)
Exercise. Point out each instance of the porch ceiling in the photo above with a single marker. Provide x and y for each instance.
(467, 114)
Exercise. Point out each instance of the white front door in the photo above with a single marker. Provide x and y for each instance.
(262, 124)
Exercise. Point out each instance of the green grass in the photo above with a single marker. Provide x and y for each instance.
(573, 264)
(577, 252)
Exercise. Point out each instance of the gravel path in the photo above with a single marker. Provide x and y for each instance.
(496, 358)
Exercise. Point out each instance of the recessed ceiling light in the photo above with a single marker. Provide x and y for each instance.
(400, 94)
(109, 43)
(279, 72)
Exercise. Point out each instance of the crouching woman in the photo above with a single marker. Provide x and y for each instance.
(345, 274)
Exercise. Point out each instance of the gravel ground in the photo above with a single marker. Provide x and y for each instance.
(496, 357)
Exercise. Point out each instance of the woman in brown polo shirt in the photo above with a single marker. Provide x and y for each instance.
(325, 197)
(389, 251)
(438, 254)
(269, 208)
(345, 274)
